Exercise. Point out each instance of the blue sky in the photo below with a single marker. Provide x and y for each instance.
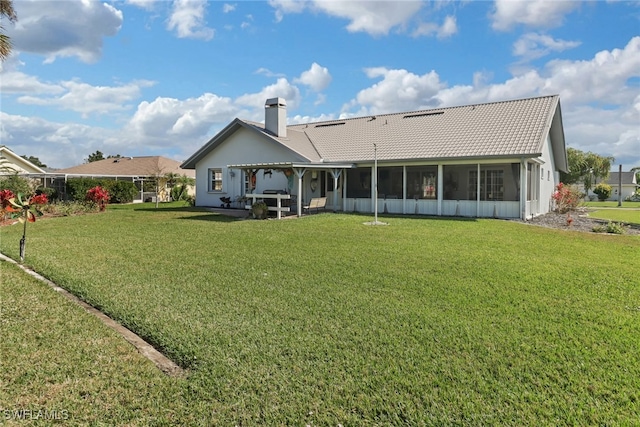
(146, 77)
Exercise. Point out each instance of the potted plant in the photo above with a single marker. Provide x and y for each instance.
(259, 210)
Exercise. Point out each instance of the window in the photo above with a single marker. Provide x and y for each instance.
(548, 175)
(215, 179)
(491, 184)
(542, 174)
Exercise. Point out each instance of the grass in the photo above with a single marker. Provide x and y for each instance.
(620, 215)
(625, 205)
(60, 363)
(323, 320)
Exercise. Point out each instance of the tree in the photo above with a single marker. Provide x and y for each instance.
(586, 168)
(95, 157)
(6, 11)
(36, 161)
(179, 185)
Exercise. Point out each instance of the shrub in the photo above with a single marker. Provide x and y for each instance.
(615, 227)
(16, 184)
(122, 191)
(119, 191)
(566, 198)
(51, 193)
(67, 208)
(179, 192)
(611, 227)
(99, 196)
(603, 191)
(77, 187)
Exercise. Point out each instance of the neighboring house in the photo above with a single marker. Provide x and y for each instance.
(13, 164)
(499, 159)
(629, 184)
(134, 169)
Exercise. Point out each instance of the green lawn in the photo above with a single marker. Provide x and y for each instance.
(625, 205)
(628, 216)
(326, 321)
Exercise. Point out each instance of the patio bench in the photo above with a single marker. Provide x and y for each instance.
(316, 203)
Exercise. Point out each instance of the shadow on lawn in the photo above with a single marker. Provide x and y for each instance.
(412, 216)
(212, 217)
(206, 213)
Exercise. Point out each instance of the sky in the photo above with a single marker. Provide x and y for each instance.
(160, 77)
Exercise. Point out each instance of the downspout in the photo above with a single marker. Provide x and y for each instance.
(478, 191)
(523, 189)
(440, 188)
(404, 187)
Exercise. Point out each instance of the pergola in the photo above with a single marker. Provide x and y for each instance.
(299, 169)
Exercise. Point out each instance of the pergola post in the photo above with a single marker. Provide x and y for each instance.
(299, 173)
(335, 173)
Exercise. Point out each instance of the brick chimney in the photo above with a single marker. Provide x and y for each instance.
(275, 116)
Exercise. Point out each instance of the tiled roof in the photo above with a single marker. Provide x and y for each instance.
(129, 166)
(296, 141)
(508, 128)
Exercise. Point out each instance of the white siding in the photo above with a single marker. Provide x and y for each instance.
(549, 178)
(243, 147)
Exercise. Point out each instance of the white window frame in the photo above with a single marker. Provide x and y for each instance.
(215, 180)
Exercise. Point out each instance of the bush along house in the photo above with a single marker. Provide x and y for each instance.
(499, 159)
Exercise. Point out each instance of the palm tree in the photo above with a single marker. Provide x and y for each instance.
(6, 11)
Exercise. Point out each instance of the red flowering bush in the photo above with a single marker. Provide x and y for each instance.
(99, 196)
(566, 198)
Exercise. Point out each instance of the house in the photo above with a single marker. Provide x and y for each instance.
(13, 164)
(139, 170)
(629, 184)
(499, 159)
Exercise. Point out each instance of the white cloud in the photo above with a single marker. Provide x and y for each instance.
(532, 46)
(399, 90)
(267, 72)
(226, 8)
(144, 4)
(44, 27)
(283, 7)
(372, 17)
(448, 28)
(165, 118)
(46, 140)
(18, 82)
(317, 77)
(282, 88)
(86, 99)
(188, 20)
(532, 13)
